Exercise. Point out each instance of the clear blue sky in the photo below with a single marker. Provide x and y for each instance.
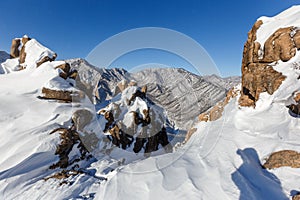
(73, 28)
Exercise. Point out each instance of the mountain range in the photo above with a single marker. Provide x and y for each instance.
(70, 130)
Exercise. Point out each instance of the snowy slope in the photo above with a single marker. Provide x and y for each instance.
(222, 159)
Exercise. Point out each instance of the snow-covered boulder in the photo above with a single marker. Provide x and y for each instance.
(271, 42)
(27, 53)
(133, 122)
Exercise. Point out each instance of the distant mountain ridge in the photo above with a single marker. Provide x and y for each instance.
(183, 94)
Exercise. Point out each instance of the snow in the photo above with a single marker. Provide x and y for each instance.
(10, 65)
(287, 18)
(59, 84)
(35, 52)
(222, 160)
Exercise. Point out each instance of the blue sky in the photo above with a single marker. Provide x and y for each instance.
(74, 28)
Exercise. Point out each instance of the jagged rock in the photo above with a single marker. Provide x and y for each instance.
(139, 93)
(295, 108)
(203, 117)
(257, 73)
(25, 39)
(279, 46)
(216, 111)
(73, 74)
(121, 86)
(296, 197)
(285, 158)
(14, 49)
(110, 120)
(69, 137)
(297, 97)
(45, 59)
(65, 96)
(144, 128)
(189, 134)
(65, 70)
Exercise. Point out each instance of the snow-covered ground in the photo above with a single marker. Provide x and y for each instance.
(222, 159)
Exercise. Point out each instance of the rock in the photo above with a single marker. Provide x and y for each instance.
(216, 112)
(25, 39)
(110, 120)
(68, 138)
(81, 118)
(144, 128)
(121, 86)
(279, 46)
(203, 117)
(285, 158)
(45, 59)
(296, 197)
(295, 108)
(65, 96)
(14, 49)
(189, 134)
(65, 67)
(297, 97)
(139, 93)
(65, 70)
(258, 74)
(22, 55)
(73, 74)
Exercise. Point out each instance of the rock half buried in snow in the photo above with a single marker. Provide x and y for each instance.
(59, 89)
(131, 119)
(285, 158)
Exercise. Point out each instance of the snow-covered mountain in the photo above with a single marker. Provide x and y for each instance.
(57, 144)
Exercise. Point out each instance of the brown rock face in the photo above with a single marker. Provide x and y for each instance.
(296, 197)
(23, 53)
(297, 97)
(65, 96)
(14, 49)
(279, 46)
(257, 73)
(285, 158)
(216, 112)
(44, 59)
(65, 70)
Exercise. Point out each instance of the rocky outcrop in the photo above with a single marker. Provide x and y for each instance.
(285, 158)
(135, 123)
(69, 137)
(38, 54)
(22, 58)
(258, 74)
(216, 111)
(296, 197)
(65, 96)
(45, 59)
(14, 49)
